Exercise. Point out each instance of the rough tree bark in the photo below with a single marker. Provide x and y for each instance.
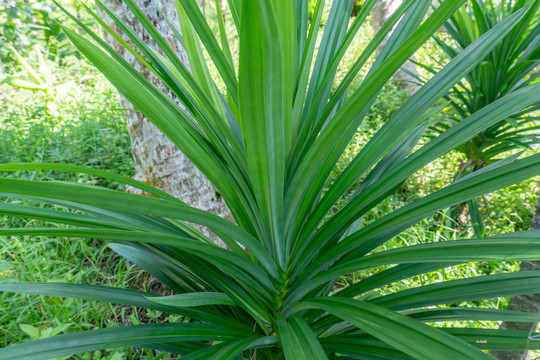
(528, 303)
(380, 13)
(157, 160)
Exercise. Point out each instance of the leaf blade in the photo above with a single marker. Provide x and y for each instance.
(403, 333)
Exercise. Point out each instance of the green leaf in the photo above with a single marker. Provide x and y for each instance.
(305, 64)
(194, 299)
(506, 66)
(451, 138)
(269, 145)
(468, 313)
(299, 342)
(476, 217)
(448, 292)
(197, 62)
(242, 269)
(174, 122)
(339, 93)
(497, 339)
(210, 43)
(403, 333)
(230, 349)
(91, 171)
(262, 112)
(148, 206)
(23, 84)
(223, 32)
(516, 246)
(341, 126)
(106, 294)
(56, 217)
(399, 124)
(137, 335)
(162, 267)
(29, 69)
(253, 295)
(453, 194)
(30, 330)
(334, 33)
(381, 230)
(362, 348)
(389, 276)
(285, 14)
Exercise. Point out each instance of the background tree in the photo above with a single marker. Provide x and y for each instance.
(158, 161)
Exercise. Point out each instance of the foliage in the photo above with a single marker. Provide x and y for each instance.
(32, 46)
(512, 65)
(75, 129)
(25, 24)
(80, 128)
(69, 127)
(269, 144)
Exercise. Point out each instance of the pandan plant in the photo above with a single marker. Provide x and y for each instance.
(512, 65)
(268, 144)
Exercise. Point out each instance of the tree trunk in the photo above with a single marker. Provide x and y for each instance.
(382, 10)
(157, 160)
(528, 303)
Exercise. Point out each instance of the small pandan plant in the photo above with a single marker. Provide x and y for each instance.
(268, 145)
(512, 65)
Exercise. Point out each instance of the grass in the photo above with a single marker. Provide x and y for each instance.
(85, 127)
(76, 128)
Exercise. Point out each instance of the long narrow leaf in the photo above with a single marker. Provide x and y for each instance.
(401, 332)
(137, 335)
(299, 342)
